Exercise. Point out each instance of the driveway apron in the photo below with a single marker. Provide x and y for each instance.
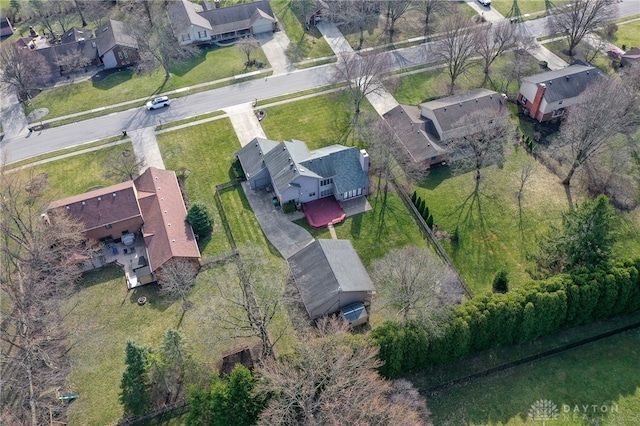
(14, 122)
(274, 46)
(145, 147)
(245, 123)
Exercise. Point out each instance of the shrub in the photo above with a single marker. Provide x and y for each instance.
(612, 29)
(430, 221)
(199, 219)
(289, 207)
(501, 282)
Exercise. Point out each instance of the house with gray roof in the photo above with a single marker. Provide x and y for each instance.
(298, 175)
(116, 44)
(193, 23)
(330, 277)
(546, 96)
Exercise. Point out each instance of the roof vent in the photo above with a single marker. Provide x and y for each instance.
(587, 71)
(460, 104)
(68, 207)
(99, 198)
(84, 204)
(173, 241)
(168, 224)
(114, 194)
(445, 108)
(156, 177)
(567, 77)
(165, 212)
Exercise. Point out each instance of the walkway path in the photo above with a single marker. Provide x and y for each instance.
(245, 123)
(14, 122)
(274, 46)
(145, 147)
(382, 100)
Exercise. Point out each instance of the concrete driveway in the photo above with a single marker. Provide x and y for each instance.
(287, 237)
(274, 46)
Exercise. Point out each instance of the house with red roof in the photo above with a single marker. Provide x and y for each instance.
(140, 222)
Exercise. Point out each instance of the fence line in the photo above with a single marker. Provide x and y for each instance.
(178, 405)
(223, 213)
(430, 235)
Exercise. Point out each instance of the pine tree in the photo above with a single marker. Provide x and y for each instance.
(199, 219)
(134, 395)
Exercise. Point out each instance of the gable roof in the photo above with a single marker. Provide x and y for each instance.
(102, 206)
(632, 53)
(237, 17)
(567, 82)
(166, 232)
(76, 34)
(326, 268)
(115, 33)
(251, 155)
(340, 163)
(411, 130)
(184, 14)
(451, 110)
(282, 161)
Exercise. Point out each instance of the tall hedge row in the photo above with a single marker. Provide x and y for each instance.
(495, 319)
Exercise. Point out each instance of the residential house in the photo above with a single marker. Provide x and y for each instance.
(631, 57)
(298, 175)
(116, 44)
(331, 277)
(6, 29)
(546, 96)
(193, 23)
(425, 130)
(150, 207)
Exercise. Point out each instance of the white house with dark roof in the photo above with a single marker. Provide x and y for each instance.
(299, 175)
(546, 96)
(331, 277)
(193, 23)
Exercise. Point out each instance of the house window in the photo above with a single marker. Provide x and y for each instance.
(312, 194)
(326, 182)
(108, 226)
(524, 100)
(359, 191)
(326, 192)
(560, 103)
(120, 55)
(202, 34)
(558, 113)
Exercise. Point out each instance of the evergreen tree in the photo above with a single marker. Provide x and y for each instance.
(501, 282)
(199, 219)
(430, 221)
(134, 395)
(414, 197)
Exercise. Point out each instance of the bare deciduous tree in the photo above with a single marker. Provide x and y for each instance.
(22, 69)
(356, 13)
(362, 74)
(605, 109)
(248, 45)
(176, 279)
(123, 165)
(408, 279)
(332, 380)
(494, 40)
(577, 18)
(432, 8)
(457, 46)
(96, 12)
(484, 145)
(250, 310)
(395, 10)
(73, 60)
(39, 255)
(156, 42)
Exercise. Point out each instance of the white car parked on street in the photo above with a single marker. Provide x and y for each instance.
(160, 102)
(485, 2)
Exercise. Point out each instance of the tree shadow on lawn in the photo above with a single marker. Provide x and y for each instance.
(183, 67)
(112, 80)
(152, 293)
(435, 177)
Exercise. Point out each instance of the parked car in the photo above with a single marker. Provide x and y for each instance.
(615, 54)
(485, 2)
(159, 102)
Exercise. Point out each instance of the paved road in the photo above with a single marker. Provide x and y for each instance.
(113, 124)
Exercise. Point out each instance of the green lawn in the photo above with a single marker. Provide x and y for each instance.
(78, 173)
(207, 151)
(306, 44)
(432, 84)
(559, 47)
(244, 225)
(209, 65)
(103, 315)
(494, 233)
(628, 34)
(319, 121)
(528, 6)
(603, 373)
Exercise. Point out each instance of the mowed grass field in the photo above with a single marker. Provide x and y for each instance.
(603, 374)
(206, 151)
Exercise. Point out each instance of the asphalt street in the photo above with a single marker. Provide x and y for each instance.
(112, 124)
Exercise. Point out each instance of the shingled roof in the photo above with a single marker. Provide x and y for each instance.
(166, 232)
(239, 17)
(115, 33)
(326, 268)
(567, 82)
(411, 129)
(184, 14)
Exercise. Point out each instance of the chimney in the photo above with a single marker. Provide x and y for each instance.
(537, 100)
(217, 4)
(364, 160)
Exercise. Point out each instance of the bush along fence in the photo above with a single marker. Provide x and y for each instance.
(428, 234)
(496, 319)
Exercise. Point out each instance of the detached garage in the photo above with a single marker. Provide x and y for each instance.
(332, 279)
